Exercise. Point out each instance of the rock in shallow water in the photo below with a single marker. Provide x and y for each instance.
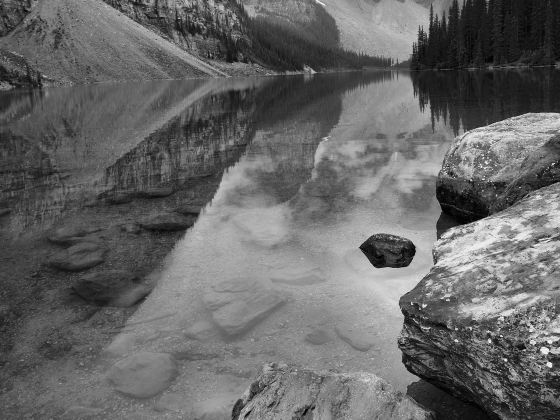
(384, 250)
(167, 222)
(239, 304)
(111, 288)
(71, 235)
(357, 338)
(79, 257)
(490, 168)
(143, 375)
(285, 393)
(484, 324)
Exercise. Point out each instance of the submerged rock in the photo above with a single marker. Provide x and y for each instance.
(189, 209)
(156, 192)
(491, 168)
(72, 235)
(111, 288)
(79, 257)
(484, 324)
(167, 222)
(285, 393)
(143, 375)
(384, 250)
(318, 337)
(239, 304)
(358, 339)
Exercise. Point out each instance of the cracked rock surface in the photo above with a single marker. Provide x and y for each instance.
(484, 324)
(283, 392)
(489, 169)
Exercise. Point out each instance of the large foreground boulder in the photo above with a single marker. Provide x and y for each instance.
(490, 168)
(286, 393)
(484, 324)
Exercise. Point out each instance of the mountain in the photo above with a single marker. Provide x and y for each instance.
(375, 27)
(89, 41)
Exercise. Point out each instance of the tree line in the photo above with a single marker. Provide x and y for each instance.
(490, 32)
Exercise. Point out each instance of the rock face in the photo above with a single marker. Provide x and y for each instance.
(143, 375)
(490, 168)
(286, 393)
(484, 324)
(12, 13)
(384, 250)
(198, 26)
(239, 304)
(111, 288)
(79, 257)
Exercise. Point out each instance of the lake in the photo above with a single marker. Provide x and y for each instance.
(290, 175)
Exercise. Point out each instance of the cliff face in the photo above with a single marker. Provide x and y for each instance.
(204, 27)
(12, 13)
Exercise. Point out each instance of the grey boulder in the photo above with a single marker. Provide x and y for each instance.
(282, 392)
(490, 168)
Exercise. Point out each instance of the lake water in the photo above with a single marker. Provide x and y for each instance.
(292, 174)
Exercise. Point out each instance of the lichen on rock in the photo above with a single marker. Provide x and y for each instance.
(476, 324)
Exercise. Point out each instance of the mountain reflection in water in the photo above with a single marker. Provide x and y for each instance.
(291, 175)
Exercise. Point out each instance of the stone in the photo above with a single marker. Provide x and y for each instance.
(201, 331)
(111, 288)
(318, 337)
(189, 210)
(475, 325)
(308, 279)
(79, 257)
(358, 339)
(131, 228)
(156, 192)
(216, 408)
(172, 402)
(490, 168)
(383, 250)
(283, 392)
(119, 197)
(72, 235)
(239, 304)
(4, 212)
(167, 222)
(143, 375)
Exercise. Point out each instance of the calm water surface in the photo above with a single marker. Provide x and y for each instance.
(292, 175)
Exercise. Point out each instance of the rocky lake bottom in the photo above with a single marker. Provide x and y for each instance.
(163, 241)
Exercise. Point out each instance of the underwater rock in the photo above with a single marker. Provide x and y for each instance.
(143, 375)
(318, 337)
(358, 339)
(167, 222)
(239, 304)
(111, 288)
(79, 257)
(72, 235)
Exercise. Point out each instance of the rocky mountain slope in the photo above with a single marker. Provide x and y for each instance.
(207, 28)
(88, 41)
(376, 27)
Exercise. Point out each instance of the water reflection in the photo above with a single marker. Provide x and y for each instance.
(470, 99)
(273, 260)
(291, 174)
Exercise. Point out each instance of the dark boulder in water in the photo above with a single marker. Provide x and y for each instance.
(384, 250)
